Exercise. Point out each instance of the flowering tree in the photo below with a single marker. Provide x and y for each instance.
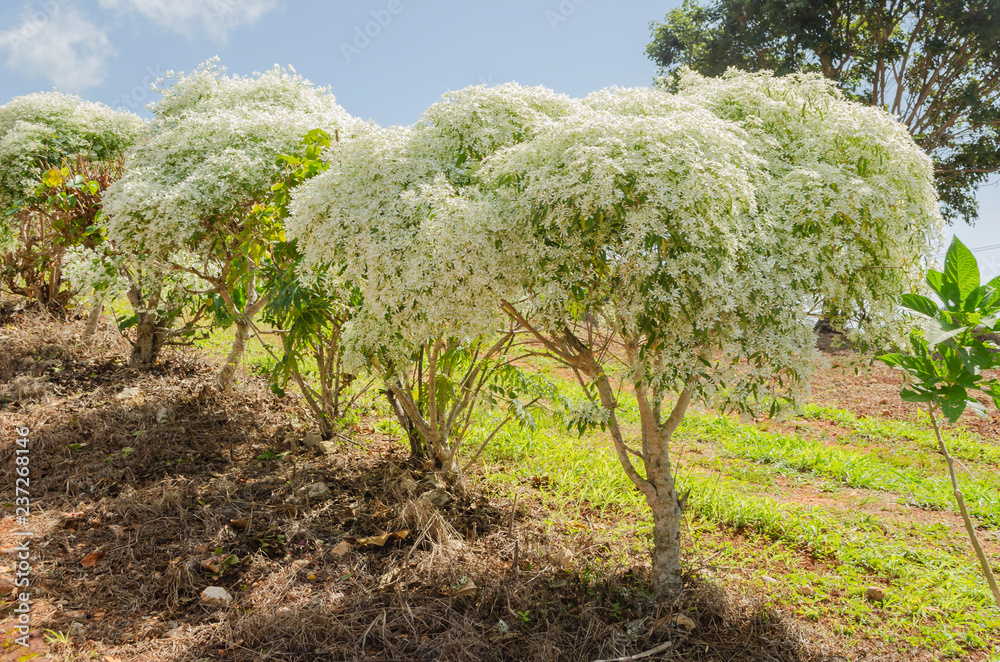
(58, 154)
(427, 323)
(200, 182)
(698, 230)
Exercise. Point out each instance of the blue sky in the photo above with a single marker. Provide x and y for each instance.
(386, 60)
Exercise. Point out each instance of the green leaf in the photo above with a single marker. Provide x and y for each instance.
(909, 395)
(960, 267)
(935, 279)
(977, 408)
(920, 304)
(936, 333)
(953, 401)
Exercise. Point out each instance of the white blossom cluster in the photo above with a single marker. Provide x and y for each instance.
(210, 154)
(701, 226)
(41, 131)
(406, 238)
(103, 275)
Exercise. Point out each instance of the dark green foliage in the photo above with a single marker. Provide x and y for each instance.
(935, 64)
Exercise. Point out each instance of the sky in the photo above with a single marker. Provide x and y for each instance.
(385, 60)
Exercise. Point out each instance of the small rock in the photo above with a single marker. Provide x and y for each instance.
(433, 482)
(330, 447)
(295, 501)
(875, 594)
(128, 393)
(216, 596)
(315, 492)
(164, 415)
(341, 548)
(563, 558)
(807, 591)
(312, 439)
(438, 497)
(300, 564)
(686, 622)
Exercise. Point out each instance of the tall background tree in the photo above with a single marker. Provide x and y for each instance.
(934, 64)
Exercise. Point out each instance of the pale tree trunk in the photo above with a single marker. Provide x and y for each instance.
(225, 378)
(667, 514)
(970, 528)
(149, 339)
(149, 335)
(243, 324)
(93, 320)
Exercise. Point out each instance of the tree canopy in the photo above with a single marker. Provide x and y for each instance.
(934, 64)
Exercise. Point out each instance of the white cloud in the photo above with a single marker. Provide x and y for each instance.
(59, 43)
(216, 18)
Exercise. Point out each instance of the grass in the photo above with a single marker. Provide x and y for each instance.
(936, 600)
(914, 478)
(962, 444)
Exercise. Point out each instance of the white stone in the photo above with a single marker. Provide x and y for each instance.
(216, 596)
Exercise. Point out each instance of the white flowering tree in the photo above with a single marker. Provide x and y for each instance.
(200, 182)
(694, 233)
(386, 220)
(58, 154)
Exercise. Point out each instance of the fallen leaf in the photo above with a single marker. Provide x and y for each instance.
(685, 622)
(389, 578)
(92, 559)
(467, 590)
(213, 564)
(380, 541)
(341, 548)
(240, 523)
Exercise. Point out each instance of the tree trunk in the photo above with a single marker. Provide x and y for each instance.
(93, 319)
(149, 339)
(667, 579)
(228, 371)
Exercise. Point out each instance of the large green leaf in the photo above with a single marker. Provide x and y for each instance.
(919, 304)
(960, 267)
(935, 279)
(936, 333)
